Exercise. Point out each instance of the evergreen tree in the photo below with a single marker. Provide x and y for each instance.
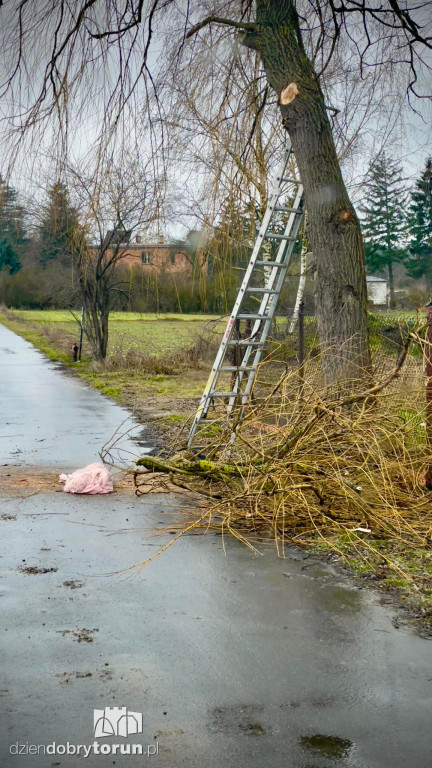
(9, 258)
(12, 228)
(384, 224)
(420, 227)
(59, 229)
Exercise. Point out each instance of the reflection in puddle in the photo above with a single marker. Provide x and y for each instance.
(328, 746)
(338, 599)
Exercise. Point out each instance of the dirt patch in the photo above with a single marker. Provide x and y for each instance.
(16, 483)
(34, 570)
(4, 516)
(244, 718)
(106, 675)
(81, 635)
(74, 584)
(67, 677)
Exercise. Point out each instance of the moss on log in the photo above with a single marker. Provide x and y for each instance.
(196, 467)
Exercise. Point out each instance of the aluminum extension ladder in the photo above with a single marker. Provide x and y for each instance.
(263, 279)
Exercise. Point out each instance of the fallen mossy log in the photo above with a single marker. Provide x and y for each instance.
(181, 464)
(196, 467)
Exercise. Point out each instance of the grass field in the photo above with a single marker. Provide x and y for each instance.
(157, 365)
(149, 334)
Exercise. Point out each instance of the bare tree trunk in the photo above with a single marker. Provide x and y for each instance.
(334, 229)
(96, 315)
(392, 302)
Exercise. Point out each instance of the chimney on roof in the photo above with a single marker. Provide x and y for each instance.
(138, 238)
(161, 239)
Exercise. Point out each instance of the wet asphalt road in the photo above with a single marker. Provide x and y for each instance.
(49, 419)
(233, 659)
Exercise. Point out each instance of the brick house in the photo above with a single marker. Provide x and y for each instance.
(159, 256)
(153, 257)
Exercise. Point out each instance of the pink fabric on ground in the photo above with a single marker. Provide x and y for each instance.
(95, 478)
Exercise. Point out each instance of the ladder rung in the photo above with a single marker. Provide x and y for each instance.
(272, 236)
(269, 264)
(284, 209)
(224, 394)
(237, 368)
(245, 343)
(252, 317)
(261, 290)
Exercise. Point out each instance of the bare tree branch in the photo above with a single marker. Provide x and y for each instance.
(219, 20)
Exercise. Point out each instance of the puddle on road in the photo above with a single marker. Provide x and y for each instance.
(339, 599)
(327, 746)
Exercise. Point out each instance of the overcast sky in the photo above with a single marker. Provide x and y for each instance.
(411, 140)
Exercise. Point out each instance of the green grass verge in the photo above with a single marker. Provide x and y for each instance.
(147, 334)
(166, 400)
(411, 587)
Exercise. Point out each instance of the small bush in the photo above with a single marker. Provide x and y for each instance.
(173, 362)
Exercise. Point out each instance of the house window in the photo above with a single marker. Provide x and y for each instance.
(172, 258)
(146, 257)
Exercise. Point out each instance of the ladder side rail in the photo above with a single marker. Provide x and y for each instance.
(283, 190)
(291, 229)
(250, 375)
(285, 250)
(294, 230)
(248, 389)
(206, 396)
(300, 291)
(249, 270)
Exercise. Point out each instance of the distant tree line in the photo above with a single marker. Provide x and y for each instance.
(39, 252)
(37, 249)
(397, 222)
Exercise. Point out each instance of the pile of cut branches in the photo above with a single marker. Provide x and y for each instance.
(309, 468)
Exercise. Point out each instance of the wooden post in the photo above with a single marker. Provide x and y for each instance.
(301, 352)
(428, 360)
(81, 335)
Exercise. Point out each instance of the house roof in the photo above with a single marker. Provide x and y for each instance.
(139, 246)
(143, 246)
(373, 279)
